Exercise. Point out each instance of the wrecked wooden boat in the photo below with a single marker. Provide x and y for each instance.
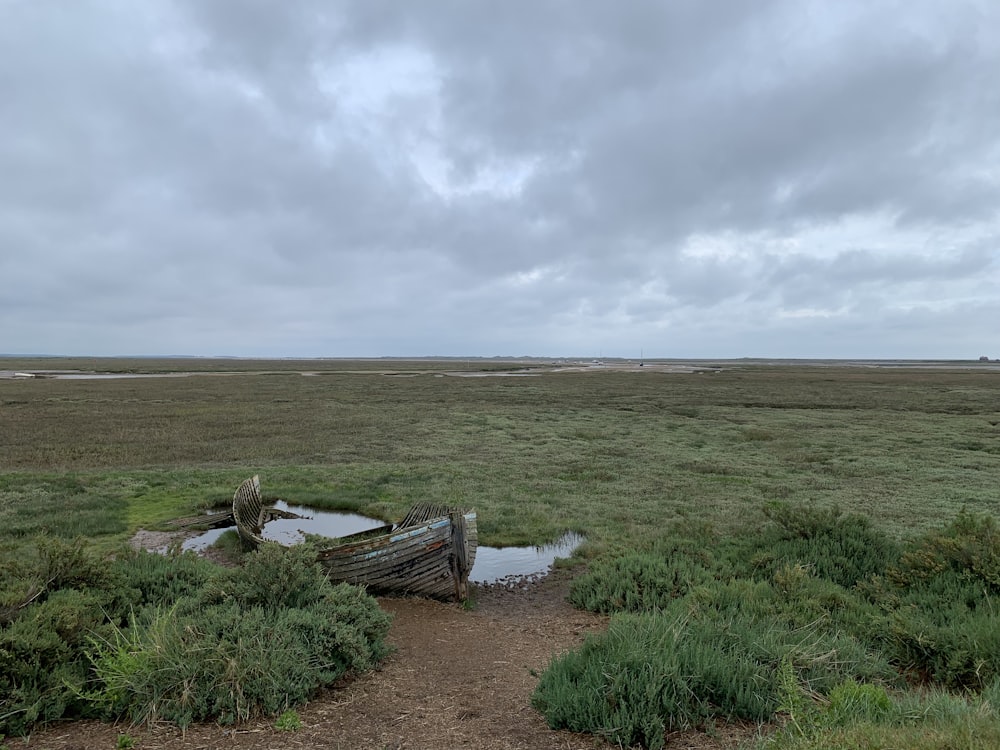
(248, 513)
(429, 553)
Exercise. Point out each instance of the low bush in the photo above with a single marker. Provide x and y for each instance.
(254, 642)
(644, 677)
(968, 547)
(813, 617)
(844, 549)
(175, 638)
(944, 592)
(289, 721)
(953, 646)
(42, 668)
(636, 582)
(51, 600)
(655, 673)
(851, 702)
(157, 580)
(859, 717)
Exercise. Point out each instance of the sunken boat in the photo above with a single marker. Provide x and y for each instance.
(429, 553)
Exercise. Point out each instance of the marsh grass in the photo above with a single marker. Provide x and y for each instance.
(152, 637)
(625, 458)
(610, 454)
(860, 717)
(249, 642)
(656, 673)
(816, 613)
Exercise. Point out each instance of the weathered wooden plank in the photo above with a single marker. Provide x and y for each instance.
(390, 562)
(413, 565)
(248, 511)
(430, 553)
(204, 521)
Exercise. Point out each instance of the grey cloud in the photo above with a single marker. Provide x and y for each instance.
(803, 281)
(538, 176)
(865, 266)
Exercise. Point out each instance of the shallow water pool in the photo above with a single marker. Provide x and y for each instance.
(493, 564)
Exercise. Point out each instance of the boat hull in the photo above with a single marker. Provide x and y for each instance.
(431, 559)
(431, 554)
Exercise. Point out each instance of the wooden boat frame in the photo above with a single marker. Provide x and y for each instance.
(429, 553)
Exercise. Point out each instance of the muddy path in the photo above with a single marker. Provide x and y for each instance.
(458, 679)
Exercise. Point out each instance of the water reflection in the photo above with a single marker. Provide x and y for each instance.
(293, 530)
(496, 564)
(493, 564)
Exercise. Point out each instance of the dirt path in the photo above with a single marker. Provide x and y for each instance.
(459, 679)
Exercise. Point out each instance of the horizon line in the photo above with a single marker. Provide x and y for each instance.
(574, 358)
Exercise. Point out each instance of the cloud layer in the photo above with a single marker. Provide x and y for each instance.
(244, 177)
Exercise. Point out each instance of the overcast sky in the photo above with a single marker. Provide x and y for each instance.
(528, 177)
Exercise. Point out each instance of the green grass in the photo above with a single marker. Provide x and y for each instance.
(625, 458)
(808, 619)
(928, 720)
(289, 721)
(608, 454)
(174, 638)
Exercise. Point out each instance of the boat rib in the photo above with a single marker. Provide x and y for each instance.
(429, 553)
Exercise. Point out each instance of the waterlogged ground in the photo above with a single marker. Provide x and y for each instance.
(606, 450)
(493, 564)
(458, 679)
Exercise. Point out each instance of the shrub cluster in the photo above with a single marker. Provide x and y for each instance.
(813, 605)
(943, 594)
(176, 638)
(636, 582)
(844, 549)
(50, 604)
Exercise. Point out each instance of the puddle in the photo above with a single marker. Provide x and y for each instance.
(499, 374)
(493, 564)
(500, 564)
(79, 375)
(113, 375)
(293, 530)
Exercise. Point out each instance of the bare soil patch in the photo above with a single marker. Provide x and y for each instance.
(458, 678)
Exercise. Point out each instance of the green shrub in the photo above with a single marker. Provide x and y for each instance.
(715, 659)
(963, 653)
(47, 565)
(990, 697)
(971, 733)
(174, 637)
(274, 577)
(289, 721)
(805, 521)
(862, 716)
(638, 681)
(254, 642)
(797, 601)
(41, 659)
(968, 547)
(844, 549)
(718, 638)
(944, 593)
(794, 702)
(160, 580)
(851, 702)
(53, 599)
(817, 604)
(635, 582)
